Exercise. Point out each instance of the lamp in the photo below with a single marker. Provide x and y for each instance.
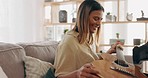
(140, 53)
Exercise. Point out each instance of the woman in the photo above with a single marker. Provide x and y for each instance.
(75, 52)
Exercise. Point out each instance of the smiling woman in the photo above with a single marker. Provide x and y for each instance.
(21, 24)
(76, 46)
(95, 20)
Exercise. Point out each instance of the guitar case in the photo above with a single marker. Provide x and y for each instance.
(140, 53)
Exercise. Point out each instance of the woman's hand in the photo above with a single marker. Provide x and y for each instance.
(113, 48)
(87, 71)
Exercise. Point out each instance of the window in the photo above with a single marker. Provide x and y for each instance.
(21, 20)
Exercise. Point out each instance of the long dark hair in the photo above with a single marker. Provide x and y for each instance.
(82, 23)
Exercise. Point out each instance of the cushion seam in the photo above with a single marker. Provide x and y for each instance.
(1, 51)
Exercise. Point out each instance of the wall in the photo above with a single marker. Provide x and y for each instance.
(21, 20)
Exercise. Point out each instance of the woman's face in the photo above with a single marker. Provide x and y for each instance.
(95, 20)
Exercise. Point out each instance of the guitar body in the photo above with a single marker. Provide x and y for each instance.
(104, 67)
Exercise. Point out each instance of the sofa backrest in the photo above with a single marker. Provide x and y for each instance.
(11, 60)
(12, 55)
(44, 50)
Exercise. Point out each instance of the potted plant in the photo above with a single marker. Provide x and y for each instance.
(108, 13)
(65, 30)
(108, 17)
(117, 35)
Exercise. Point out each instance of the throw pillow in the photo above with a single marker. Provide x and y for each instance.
(35, 68)
(50, 73)
(2, 74)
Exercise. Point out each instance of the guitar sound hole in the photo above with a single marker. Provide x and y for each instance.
(121, 62)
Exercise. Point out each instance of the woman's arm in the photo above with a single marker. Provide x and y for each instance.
(69, 75)
(85, 71)
(113, 48)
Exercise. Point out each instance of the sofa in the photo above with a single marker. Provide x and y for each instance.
(12, 56)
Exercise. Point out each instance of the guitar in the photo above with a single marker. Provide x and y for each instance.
(112, 67)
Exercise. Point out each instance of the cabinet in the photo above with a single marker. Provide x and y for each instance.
(54, 29)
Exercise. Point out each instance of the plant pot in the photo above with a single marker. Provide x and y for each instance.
(108, 18)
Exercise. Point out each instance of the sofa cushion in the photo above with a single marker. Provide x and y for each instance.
(11, 60)
(44, 50)
(36, 68)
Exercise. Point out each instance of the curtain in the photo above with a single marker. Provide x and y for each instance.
(21, 20)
